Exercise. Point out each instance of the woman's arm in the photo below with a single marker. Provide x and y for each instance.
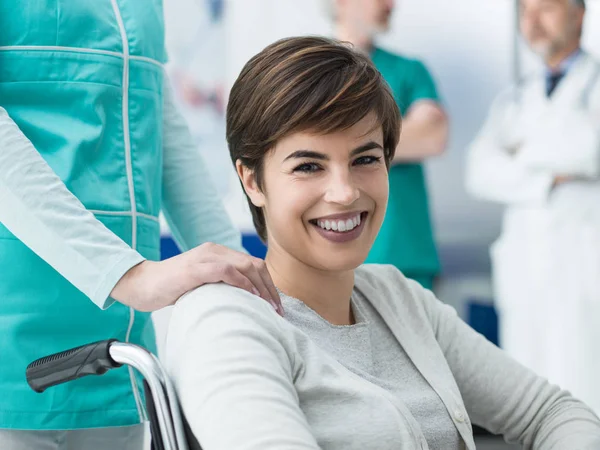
(505, 397)
(233, 369)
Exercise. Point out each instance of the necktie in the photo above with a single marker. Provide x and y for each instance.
(552, 82)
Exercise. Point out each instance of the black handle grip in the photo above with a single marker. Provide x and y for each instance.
(91, 359)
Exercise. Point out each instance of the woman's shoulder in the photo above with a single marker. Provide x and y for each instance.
(384, 286)
(216, 311)
(211, 301)
(386, 276)
(221, 294)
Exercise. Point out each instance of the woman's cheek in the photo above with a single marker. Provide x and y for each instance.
(375, 184)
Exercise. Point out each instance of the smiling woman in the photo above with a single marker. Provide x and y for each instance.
(341, 181)
(364, 358)
(269, 101)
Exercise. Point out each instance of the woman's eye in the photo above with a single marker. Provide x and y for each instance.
(367, 160)
(307, 168)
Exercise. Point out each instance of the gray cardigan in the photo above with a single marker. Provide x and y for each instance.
(247, 379)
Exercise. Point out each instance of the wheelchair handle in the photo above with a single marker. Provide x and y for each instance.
(91, 359)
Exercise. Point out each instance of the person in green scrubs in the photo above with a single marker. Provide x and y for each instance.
(406, 239)
(92, 149)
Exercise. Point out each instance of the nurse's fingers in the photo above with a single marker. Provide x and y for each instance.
(266, 276)
(253, 268)
(215, 272)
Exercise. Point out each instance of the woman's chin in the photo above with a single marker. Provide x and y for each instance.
(339, 257)
(342, 262)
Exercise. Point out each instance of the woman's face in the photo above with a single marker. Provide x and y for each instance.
(324, 196)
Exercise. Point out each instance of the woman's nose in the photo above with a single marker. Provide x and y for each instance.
(342, 190)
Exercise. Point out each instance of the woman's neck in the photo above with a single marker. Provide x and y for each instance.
(327, 293)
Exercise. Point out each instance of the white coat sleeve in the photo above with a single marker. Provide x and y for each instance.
(564, 143)
(191, 203)
(228, 356)
(37, 207)
(493, 173)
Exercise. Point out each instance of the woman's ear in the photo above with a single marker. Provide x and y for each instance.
(248, 180)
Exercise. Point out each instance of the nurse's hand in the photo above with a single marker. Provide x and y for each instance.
(150, 285)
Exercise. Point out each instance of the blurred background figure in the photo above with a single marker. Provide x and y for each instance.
(197, 71)
(539, 155)
(406, 238)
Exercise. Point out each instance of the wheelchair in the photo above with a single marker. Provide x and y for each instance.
(168, 427)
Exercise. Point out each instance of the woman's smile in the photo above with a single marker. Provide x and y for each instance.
(341, 228)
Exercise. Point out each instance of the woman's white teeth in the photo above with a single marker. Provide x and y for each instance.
(340, 225)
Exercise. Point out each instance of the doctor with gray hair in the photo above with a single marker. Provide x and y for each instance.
(538, 154)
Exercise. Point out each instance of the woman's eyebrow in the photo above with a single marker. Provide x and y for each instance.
(307, 154)
(366, 147)
(323, 157)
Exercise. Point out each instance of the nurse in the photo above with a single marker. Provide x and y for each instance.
(92, 149)
(538, 154)
(406, 238)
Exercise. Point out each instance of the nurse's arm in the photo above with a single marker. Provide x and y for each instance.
(199, 223)
(503, 396)
(424, 132)
(495, 173)
(191, 203)
(37, 207)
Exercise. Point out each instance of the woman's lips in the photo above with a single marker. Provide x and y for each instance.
(341, 236)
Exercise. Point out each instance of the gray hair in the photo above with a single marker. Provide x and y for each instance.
(580, 3)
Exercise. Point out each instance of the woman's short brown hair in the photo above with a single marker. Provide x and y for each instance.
(304, 84)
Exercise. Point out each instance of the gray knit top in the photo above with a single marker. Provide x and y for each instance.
(370, 350)
(249, 379)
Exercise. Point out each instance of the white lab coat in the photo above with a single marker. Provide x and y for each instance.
(546, 263)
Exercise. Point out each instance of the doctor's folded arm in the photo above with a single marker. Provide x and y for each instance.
(538, 154)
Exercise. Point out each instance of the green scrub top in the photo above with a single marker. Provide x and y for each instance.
(83, 81)
(406, 237)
